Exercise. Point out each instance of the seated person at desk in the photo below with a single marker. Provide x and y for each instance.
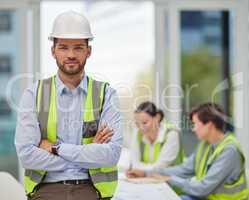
(216, 170)
(156, 143)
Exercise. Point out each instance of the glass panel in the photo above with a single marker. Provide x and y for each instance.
(8, 67)
(205, 62)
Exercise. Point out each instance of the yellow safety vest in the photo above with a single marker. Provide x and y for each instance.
(229, 191)
(104, 179)
(145, 148)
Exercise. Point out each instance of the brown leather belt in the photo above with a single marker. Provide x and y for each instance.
(74, 182)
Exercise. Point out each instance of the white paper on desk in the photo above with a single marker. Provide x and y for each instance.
(144, 180)
(122, 176)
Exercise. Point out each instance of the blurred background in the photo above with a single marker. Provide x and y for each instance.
(176, 53)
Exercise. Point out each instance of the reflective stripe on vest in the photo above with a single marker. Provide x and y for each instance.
(145, 148)
(47, 116)
(228, 191)
(104, 179)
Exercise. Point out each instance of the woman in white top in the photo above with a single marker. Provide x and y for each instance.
(155, 143)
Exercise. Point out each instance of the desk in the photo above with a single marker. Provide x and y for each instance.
(144, 191)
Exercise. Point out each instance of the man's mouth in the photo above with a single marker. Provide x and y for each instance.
(71, 63)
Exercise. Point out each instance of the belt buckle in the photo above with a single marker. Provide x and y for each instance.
(65, 183)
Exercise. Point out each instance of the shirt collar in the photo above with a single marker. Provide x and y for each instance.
(61, 87)
(160, 137)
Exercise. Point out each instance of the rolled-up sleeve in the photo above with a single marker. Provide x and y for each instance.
(28, 136)
(99, 155)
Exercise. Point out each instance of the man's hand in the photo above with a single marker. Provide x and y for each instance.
(135, 173)
(104, 135)
(160, 177)
(46, 145)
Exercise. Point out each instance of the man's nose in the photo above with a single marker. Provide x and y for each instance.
(71, 53)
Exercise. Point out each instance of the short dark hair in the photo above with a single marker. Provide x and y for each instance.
(210, 112)
(56, 40)
(150, 108)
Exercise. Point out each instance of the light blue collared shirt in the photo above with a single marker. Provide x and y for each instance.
(74, 158)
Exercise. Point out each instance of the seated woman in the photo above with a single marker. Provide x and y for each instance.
(156, 143)
(216, 169)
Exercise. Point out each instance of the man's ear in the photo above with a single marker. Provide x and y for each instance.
(89, 51)
(210, 125)
(53, 51)
(158, 117)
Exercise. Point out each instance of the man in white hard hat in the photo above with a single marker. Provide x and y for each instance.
(68, 134)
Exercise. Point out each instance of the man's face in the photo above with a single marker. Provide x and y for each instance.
(71, 55)
(201, 130)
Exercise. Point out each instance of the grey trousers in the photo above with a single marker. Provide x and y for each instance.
(58, 191)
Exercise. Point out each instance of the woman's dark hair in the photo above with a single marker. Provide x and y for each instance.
(210, 112)
(150, 108)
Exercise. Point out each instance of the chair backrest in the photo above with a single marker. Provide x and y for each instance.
(10, 189)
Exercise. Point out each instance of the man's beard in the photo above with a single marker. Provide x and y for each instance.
(70, 72)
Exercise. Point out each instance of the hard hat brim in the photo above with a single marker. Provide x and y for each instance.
(70, 36)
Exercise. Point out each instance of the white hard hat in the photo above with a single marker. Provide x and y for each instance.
(71, 25)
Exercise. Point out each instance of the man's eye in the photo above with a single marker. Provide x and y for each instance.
(78, 48)
(62, 47)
